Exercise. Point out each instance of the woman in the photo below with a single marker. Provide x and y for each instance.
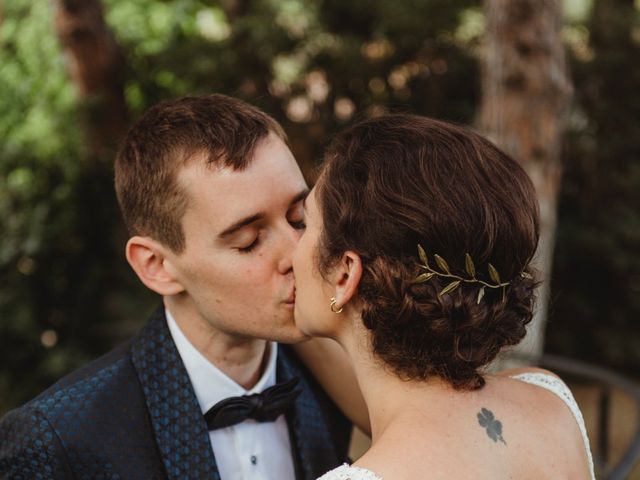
(416, 261)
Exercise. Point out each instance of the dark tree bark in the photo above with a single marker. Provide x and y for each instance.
(234, 9)
(526, 92)
(96, 66)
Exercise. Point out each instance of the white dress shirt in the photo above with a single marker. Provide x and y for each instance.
(249, 450)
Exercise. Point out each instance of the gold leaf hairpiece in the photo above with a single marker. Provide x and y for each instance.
(458, 280)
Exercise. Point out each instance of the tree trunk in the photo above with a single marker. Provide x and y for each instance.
(95, 64)
(526, 92)
(234, 9)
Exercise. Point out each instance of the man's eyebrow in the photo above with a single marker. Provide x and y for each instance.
(241, 223)
(253, 218)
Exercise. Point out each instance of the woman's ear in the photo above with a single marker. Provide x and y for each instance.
(346, 276)
(148, 259)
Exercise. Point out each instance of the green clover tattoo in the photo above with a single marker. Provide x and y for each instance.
(487, 420)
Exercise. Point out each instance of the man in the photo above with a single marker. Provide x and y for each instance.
(213, 199)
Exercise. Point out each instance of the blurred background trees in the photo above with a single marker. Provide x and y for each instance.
(66, 293)
(525, 98)
(595, 300)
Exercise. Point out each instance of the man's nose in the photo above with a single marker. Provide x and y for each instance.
(290, 239)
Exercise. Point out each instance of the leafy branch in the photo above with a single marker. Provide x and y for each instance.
(445, 272)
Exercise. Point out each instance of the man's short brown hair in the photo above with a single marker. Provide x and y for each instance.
(224, 130)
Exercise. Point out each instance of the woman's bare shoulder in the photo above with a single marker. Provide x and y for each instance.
(546, 405)
(512, 372)
(524, 388)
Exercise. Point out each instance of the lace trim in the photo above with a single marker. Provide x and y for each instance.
(348, 472)
(558, 387)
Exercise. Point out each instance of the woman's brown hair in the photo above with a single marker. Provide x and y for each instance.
(396, 181)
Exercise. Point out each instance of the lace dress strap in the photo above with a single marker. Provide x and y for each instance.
(347, 472)
(558, 387)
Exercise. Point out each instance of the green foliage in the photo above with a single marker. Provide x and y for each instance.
(38, 162)
(57, 216)
(66, 293)
(301, 61)
(596, 284)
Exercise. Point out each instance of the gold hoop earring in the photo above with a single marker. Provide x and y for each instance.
(333, 304)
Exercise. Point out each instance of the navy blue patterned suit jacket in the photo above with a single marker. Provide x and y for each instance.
(133, 414)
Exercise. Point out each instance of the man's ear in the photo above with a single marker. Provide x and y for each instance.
(346, 276)
(148, 259)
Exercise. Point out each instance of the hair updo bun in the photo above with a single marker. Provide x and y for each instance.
(396, 181)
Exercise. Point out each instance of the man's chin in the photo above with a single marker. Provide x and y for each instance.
(289, 333)
(295, 339)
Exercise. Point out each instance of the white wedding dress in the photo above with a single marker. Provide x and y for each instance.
(551, 383)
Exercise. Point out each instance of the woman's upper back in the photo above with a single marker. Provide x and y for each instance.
(522, 425)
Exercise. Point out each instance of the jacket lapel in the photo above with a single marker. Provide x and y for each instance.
(180, 430)
(313, 446)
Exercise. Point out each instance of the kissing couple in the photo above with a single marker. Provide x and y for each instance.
(376, 299)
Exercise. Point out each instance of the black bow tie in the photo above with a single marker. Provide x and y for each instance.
(262, 407)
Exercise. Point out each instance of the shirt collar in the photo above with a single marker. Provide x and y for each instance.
(210, 384)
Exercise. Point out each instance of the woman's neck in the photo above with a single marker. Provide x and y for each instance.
(390, 399)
